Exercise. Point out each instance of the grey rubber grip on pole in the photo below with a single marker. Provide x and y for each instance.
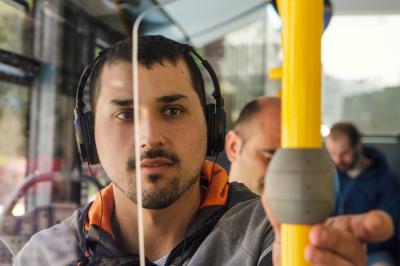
(300, 186)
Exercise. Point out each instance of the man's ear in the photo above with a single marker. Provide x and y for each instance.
(233, 145)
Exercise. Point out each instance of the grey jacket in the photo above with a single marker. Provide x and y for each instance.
(236, 233)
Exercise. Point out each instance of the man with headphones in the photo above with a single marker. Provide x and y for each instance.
(192, 215)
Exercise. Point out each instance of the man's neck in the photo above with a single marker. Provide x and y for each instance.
(163, 229)
(362, 164)
(233, 175)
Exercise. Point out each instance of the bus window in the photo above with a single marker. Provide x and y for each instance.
(13, 141)
(12, 31)
(361, 61)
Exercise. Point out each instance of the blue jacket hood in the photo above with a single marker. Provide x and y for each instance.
(379, 159)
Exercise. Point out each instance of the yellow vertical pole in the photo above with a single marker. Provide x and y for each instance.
(302, 22)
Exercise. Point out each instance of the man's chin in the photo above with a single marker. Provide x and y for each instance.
(159, 192)
(157, 206)
(153, 199)
(158, 201)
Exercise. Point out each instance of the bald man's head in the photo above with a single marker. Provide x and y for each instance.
(253, 140)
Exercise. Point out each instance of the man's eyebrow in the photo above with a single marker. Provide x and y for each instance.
(171, 98)
(162, 99)
(122, 102)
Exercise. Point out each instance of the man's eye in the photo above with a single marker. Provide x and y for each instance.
(267, 156)
(172, 112)
(127, 115)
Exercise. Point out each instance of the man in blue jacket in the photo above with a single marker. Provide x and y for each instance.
(366, 183)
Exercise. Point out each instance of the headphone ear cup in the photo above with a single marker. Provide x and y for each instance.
(90, 140)
(216, 124)
(84, 132)
(79, 135)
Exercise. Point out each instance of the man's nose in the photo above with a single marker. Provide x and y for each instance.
(151, 134)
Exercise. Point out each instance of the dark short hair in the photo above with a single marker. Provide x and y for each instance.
(347, 129)
(152, 49)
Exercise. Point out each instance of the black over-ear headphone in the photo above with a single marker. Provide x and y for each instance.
(215, 112)
(84, 124)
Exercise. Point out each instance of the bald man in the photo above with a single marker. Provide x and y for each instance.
(250, 146)
(255, 137)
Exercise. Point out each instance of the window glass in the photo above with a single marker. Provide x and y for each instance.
(12, 19)
(242, 59)
(13, 141)
(13, 156)
(361, 83)
(44, 47)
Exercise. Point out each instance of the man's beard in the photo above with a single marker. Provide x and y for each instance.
(165, 196)
(353, 164)
(356, 160)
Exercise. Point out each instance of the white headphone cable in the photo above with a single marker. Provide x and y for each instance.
(138, 173)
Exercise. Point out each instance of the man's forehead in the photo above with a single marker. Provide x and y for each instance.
(338, 137)
(116, 74)
(269, 120)
(117, 82)
(338, 141)
(165, 65)
(265, 137)
(120, 73)
(264, 128)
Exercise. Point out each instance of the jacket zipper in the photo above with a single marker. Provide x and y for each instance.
(187, 241)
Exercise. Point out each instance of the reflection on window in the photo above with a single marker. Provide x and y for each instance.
(11, 27)
(361, 61)
(13, 141)
(242, 58)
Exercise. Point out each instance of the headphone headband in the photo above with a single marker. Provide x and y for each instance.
(219, 100)
(85, 77)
